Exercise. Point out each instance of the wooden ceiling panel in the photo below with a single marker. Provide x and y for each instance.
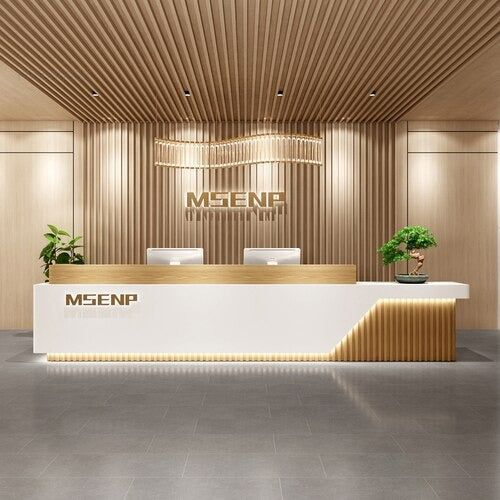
(20, 100)
(234, 55)
(472, 93)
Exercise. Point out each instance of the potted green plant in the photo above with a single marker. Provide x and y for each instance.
(61, 249)
(407, 244)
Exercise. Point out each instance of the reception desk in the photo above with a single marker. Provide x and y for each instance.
(240, 313)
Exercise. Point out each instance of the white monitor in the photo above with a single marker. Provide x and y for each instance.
(271, 256)
(174, 256)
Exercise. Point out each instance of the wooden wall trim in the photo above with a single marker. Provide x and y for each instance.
(36, 142)
(401, 202)
(452, 126)
(452, 142)
(78, 178)
(36, 126)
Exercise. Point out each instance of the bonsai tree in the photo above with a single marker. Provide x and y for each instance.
(407, 244)
(61, 249)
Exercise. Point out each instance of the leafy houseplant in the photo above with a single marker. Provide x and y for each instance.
(61, 249)
(407, 244)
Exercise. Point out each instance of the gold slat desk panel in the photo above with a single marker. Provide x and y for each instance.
(202, 274)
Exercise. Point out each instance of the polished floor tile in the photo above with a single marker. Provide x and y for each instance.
(115, 465)
(250, 431)
(17, 465)
(14, 443)
(221, 411)
(257, 465)
(448, 443)
(249, 425)
(336, 443)
(206, 489)
(359, 489)
(64, 488)
(134, 424)
(102, 443)
(466, 488)
(212, 443)
(390, 465)
(479, 464)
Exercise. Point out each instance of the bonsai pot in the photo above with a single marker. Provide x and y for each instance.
(411, 278)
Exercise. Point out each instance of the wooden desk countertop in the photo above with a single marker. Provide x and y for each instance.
(201, 274)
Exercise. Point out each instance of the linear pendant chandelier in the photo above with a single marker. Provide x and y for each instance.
(265, 148)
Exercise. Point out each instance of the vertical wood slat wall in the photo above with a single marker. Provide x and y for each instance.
(340, 212)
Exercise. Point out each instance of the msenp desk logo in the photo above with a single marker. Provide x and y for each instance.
(100, 299)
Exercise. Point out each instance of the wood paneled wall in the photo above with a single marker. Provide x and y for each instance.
(36, 188)
(339, 212)
(452, 189)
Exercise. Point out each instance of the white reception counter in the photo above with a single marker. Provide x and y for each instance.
(243, 321)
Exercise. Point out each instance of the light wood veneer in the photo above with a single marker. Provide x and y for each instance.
(36, 188)
(199, 274)
(452, 189)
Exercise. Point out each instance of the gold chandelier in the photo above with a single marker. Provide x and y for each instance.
(266, 148)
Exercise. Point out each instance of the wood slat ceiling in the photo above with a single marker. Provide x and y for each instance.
(472, 93)
(233, 55)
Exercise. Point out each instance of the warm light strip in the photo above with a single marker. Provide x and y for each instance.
(268, 148)
(85, 356)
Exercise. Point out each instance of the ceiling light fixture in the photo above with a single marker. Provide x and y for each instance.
(187, 93)
(280, 93)
(373, 93)
(94, 93)
(265, 148)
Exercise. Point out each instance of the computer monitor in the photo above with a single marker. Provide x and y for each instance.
(271, 256)
(174, 256)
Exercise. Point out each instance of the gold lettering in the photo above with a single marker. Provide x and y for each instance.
(89, 299)
(217, 197)
(130, 297)
(254, 200)
(275, 197)
(192, 201)
(117, 299)
(238, 199)
(235, 199)
(76, 301)
(100, 299)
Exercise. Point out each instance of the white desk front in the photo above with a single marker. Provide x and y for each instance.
(211, 321)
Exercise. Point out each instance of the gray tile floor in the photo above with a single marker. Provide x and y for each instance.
(250, 431)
